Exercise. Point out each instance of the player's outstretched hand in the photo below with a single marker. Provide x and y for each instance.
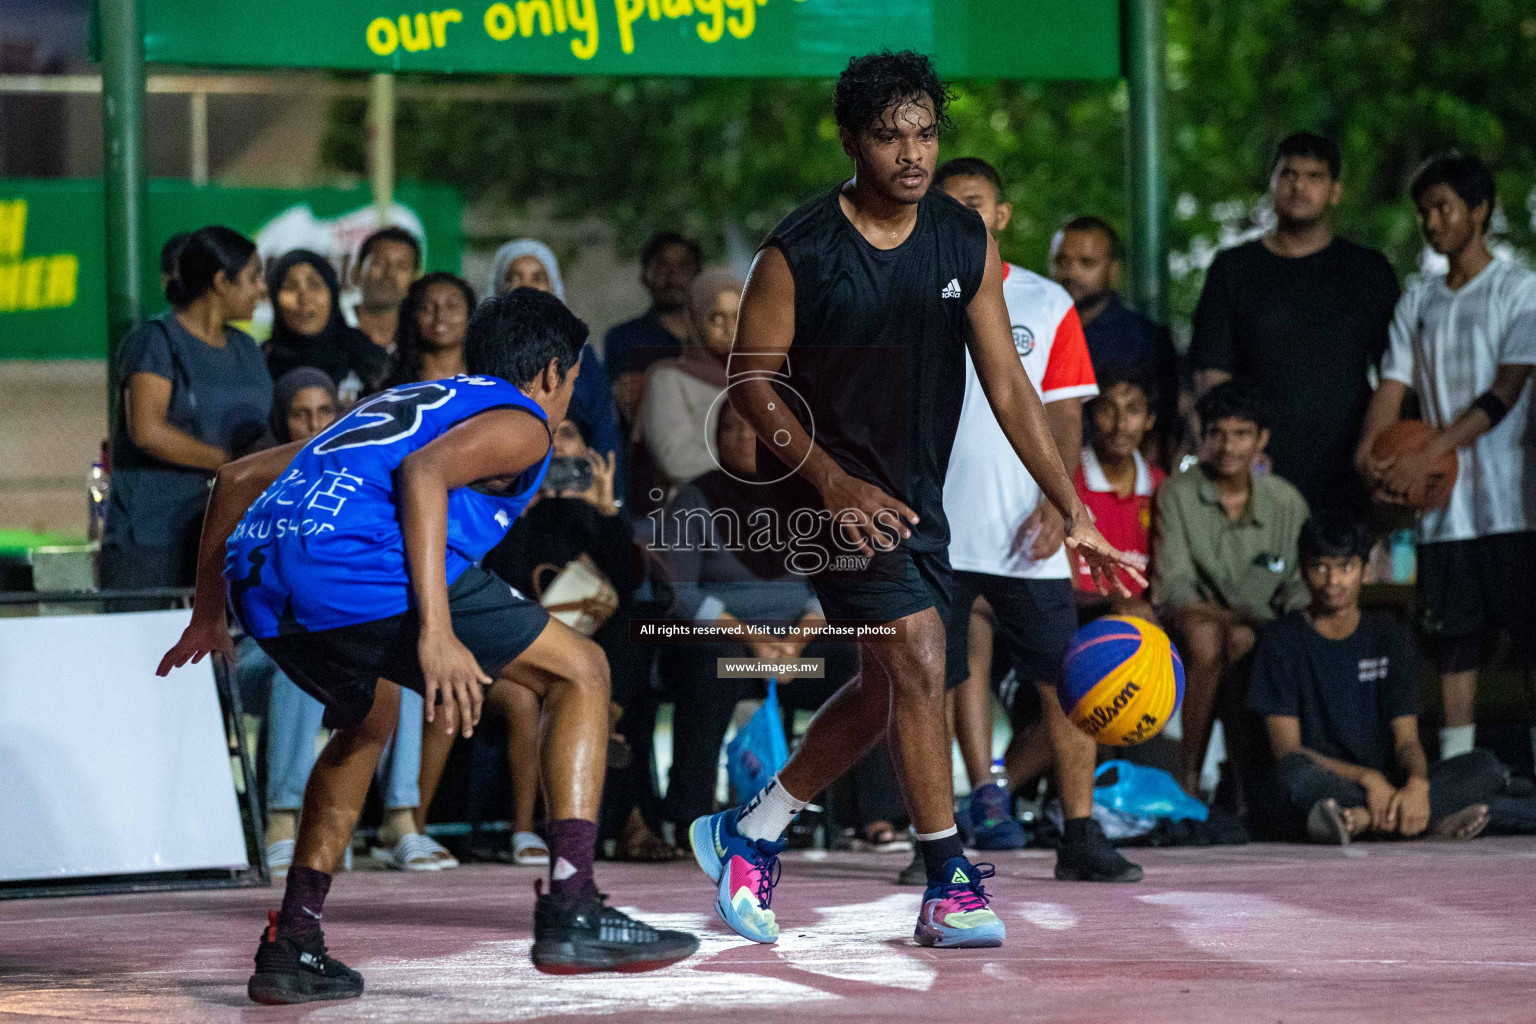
(1103, 561)
(450, 670)
(869, 518)
(203, 636)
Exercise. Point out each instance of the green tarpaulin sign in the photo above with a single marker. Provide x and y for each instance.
(52, 252)
(1036, 39)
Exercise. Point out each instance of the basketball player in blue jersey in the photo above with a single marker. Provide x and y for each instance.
(849, 362)
(351, 560)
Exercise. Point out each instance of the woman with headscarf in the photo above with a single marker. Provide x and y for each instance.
(429, 336)
(679, 411)
(309, 330)
(529, 263)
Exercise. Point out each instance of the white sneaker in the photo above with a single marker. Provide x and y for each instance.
(414, 852)
(280, 857)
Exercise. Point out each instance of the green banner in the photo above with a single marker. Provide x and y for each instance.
(52, 252)
(1037, 39)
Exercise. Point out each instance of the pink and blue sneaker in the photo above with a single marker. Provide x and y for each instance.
(745, 871)
(956, 913)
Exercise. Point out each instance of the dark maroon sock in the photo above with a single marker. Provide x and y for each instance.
(303, 903)
(572, 843)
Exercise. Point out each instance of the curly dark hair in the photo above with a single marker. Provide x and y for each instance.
(873, 84)
(405, 362)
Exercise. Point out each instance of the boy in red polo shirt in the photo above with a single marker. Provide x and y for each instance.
(1116, 483)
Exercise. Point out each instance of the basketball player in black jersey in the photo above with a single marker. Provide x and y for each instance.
(849, 362)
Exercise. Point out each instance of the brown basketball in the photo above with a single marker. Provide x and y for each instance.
(1407, 436)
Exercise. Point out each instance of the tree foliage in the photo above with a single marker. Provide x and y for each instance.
(1392, 80)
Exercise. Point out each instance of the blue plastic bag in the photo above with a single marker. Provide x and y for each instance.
(758, 750)
(1145, 792)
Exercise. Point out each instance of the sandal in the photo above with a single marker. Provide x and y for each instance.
(528, 850)
(1327, 824)
(880, 837)
(640, 845)
(1467, 823)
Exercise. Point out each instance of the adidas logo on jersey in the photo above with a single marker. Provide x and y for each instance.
(951, 290)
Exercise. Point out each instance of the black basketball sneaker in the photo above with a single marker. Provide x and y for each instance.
(589, 935)
(288, 972)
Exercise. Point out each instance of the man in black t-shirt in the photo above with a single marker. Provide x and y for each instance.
(850, 363)
(1339, 693)
(1085, 260)
(1303, 314)
(669, 263)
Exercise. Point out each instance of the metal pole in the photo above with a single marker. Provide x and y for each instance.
(198, 142)
(122, 174)
(1145, 82)
(381, 143)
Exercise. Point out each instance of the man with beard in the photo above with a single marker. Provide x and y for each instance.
(387, 263)
(669, 262)
(1303, 314)
(1086, 257)
(850, 357)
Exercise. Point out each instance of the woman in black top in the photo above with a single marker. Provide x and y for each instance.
(195, 395)
(309, 330)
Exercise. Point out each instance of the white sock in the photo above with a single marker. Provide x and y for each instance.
(1457, 739)
(770, 812)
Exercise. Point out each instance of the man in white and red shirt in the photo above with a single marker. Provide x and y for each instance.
(1006, 546)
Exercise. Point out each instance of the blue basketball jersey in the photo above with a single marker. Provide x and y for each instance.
(322, 547)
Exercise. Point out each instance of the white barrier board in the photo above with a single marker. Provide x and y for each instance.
(106, 768)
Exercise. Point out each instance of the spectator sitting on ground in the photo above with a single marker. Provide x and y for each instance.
(195, 395)
(529, 263)
(669, 262)
(387, 262)
(1116, 484)
(1224, 563)
(434, 317)
(304, 404)
(677, 415)
(309, 330)
(1086, 255)
(1340, 694)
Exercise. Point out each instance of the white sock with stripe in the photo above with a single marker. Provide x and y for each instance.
(770, 812)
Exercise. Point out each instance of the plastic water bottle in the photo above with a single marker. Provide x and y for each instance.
(1000, 775)
(98, 487)
(1404, 557)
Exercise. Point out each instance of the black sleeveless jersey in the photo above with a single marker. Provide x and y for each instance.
(876, 372)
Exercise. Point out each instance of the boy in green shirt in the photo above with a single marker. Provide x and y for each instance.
(1224, 562)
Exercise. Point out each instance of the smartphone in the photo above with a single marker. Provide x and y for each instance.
(568, 473)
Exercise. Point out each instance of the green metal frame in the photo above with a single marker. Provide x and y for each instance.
(122, 68)
(123, 175)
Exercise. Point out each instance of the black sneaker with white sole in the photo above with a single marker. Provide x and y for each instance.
(589, 935)
(1093, 859)
(288, 972)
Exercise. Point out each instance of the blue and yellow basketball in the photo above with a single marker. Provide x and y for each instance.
(1121, 680)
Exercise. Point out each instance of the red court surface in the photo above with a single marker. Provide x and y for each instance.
(1399, 934)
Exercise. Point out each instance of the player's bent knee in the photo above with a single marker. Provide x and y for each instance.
(587, 669)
